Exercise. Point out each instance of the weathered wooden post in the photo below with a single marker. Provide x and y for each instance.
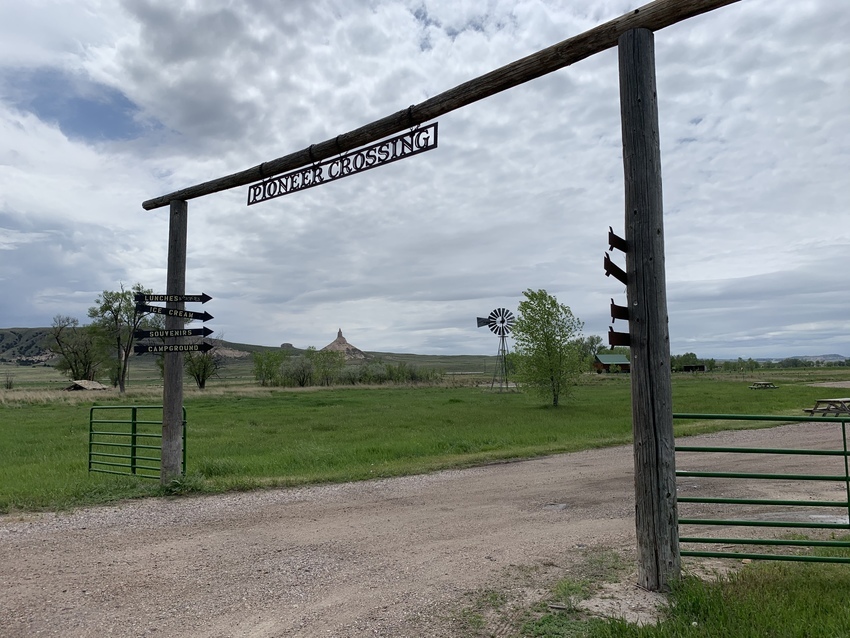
(652, 403)
(172, 392)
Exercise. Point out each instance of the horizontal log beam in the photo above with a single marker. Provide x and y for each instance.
(653, 16)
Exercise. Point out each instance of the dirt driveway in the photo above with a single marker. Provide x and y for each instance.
(393, 557)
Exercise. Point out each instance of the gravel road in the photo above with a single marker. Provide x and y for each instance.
(395, 557)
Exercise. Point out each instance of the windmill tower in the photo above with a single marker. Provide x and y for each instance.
(500, 322)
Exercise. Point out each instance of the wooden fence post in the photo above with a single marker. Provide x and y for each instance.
(652, 407)
(172, 391)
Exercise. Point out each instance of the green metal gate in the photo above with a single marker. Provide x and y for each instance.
(122, 442)
(843, 505)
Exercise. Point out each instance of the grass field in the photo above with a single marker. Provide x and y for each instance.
(242, 437)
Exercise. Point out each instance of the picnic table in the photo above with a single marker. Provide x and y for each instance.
(825, 407)
(762, 385)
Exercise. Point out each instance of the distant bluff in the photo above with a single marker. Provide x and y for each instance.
(341, 345)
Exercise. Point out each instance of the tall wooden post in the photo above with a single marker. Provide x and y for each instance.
(172, 392)
(652, 404)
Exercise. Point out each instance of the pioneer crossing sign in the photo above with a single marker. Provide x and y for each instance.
(390, 150)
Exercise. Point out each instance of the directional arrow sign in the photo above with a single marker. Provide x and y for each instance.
(173, 312)
(175, 347)
(183, 332)
(142, 298)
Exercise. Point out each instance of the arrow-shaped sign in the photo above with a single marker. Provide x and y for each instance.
(173, 312)
(613, 269)
(182, 332)
(143, 298)
(175, 347)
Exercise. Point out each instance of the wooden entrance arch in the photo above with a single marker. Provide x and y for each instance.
(652, 411)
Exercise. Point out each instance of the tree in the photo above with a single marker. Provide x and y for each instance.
(115, 320)
(547, 338)
(299, 371)
(202, 366)
(267, 366)
(590, 346)
(679, 361)
(327, 364)
(80, 354)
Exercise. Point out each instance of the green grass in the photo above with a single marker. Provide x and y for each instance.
(768, 599)
(240, 441)
(242, 438)
(787, 600)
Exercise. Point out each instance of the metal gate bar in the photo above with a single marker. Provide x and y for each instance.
(845, 504)
(129, 450)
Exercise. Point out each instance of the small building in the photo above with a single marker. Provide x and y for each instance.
(697, 367)
(603, 362)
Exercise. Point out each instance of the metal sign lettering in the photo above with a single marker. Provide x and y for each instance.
(175, 347)
(144, 298)
(180, 332)
(385, 152)
(174, 312)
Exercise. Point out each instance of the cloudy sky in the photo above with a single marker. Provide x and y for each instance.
(105, 104)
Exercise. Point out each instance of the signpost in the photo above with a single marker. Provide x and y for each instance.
(173, 314)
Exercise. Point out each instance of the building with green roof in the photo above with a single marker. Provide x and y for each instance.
(603, 363)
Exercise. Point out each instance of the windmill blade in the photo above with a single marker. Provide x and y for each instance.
(494, 324)
(497, 321)
(500, 321)
(509, 321)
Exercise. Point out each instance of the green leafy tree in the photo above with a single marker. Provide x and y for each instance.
(327, 364)
(77, 348)
(299, 370)
(590, 347)
(267, 366)
(202, 366)
(114, 318)
(547, 344)
(679, 361)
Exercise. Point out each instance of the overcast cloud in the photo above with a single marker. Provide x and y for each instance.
(106, 104)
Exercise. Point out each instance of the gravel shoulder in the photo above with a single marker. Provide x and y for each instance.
(395, 557)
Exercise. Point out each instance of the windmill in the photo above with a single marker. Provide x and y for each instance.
(500, 322)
